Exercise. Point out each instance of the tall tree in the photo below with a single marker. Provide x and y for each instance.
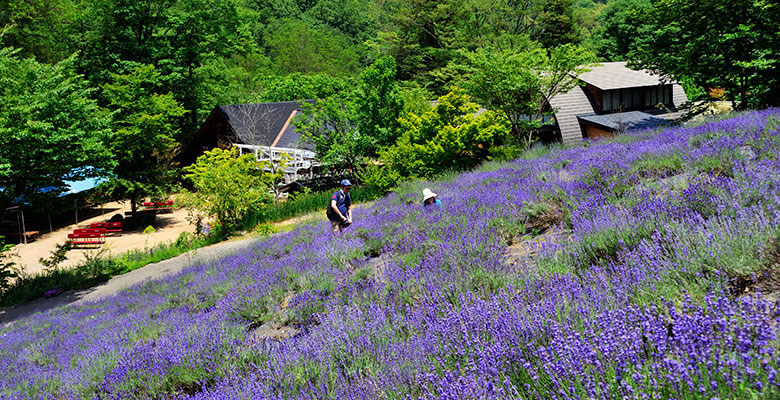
(178, 37)
(332, 126)
(379, 102)
(557, 24)
(39, 28)
(622, 23)
(144, 129)
(297, 46)
(49, 126)
(731, 44)
(520, 85)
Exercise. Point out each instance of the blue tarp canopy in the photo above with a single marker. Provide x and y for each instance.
(70, 187)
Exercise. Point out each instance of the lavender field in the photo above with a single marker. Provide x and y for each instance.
(645, 267)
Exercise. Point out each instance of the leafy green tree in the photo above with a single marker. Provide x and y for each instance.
(520, 85)
(621, 23)
(39, 28)
(145, 124)
(297, 46)
(226, 186)
(49, 126)
(352, 18)
(179, 37)
(6, 268)
(333, 128)
(379, 103)
(297, 86)
(557, 24)
(731, 44)
(450, 136)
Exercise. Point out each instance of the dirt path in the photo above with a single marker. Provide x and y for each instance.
(120, 282)
(168, 227)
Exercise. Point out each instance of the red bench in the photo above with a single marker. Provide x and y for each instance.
(110, 227)
(159, 207)
(87, 239)
(90, 230)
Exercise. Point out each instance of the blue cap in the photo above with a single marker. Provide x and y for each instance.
(346, 182)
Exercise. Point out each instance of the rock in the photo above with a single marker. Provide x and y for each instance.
(747, 153)
(565, 175)
(274, 331)
(676, 181)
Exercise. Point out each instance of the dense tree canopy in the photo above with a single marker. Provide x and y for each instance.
(731, 44)
(49, 126)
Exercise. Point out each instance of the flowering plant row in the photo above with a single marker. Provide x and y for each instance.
(639, 267)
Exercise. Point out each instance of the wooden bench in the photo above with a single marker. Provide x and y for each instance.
(110, 227)
(78, 239)
(159, 207)
(31, 235)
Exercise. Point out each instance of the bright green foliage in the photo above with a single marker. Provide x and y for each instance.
(145, 124)
(621, 24)
(345, 131)
(48, 126)
(6, 272)
(416, 99)
(379, 102)
(297, 46)
(450, 136)
(332, 126)
(227, 186)
(520, 85)
(297, 86)
(732, 44)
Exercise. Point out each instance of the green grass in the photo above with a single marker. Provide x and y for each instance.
(95, 269)
(304, 203)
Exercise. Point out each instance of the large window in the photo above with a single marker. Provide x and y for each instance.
(640, 98)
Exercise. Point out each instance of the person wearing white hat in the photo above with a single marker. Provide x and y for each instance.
(429, 198)
(339, 211)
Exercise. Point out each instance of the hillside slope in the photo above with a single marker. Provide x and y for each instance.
(650, 286)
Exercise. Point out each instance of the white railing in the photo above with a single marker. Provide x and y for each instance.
(299, 160)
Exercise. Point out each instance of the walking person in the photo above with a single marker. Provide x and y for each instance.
(429, 198)
(340, 209)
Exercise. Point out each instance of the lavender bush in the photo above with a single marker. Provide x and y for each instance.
(643, 281)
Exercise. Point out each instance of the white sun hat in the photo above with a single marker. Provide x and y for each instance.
(427, 194)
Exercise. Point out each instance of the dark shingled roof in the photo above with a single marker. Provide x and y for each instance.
(624, 121)
(265, 124)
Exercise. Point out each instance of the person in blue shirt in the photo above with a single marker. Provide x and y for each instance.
(429, 198)
(340, 209)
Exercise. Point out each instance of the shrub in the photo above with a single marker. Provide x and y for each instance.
(226, 186)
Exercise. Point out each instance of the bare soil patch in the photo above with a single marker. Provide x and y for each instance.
(168, 227)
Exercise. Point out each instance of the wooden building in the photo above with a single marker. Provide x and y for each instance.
(265, 130)
(613, 99)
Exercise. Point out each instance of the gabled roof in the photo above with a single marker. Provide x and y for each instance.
(624, 121)
(567, 106)
(617, 75)
(265, 124)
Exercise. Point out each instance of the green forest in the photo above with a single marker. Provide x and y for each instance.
(122, 85)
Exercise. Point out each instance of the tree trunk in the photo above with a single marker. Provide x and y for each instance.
(133, 208)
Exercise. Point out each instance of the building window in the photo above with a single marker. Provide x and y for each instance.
(641, 98)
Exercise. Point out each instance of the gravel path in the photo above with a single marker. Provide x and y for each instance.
(149, 272)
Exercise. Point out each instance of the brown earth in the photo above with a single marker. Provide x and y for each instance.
(168, 227)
